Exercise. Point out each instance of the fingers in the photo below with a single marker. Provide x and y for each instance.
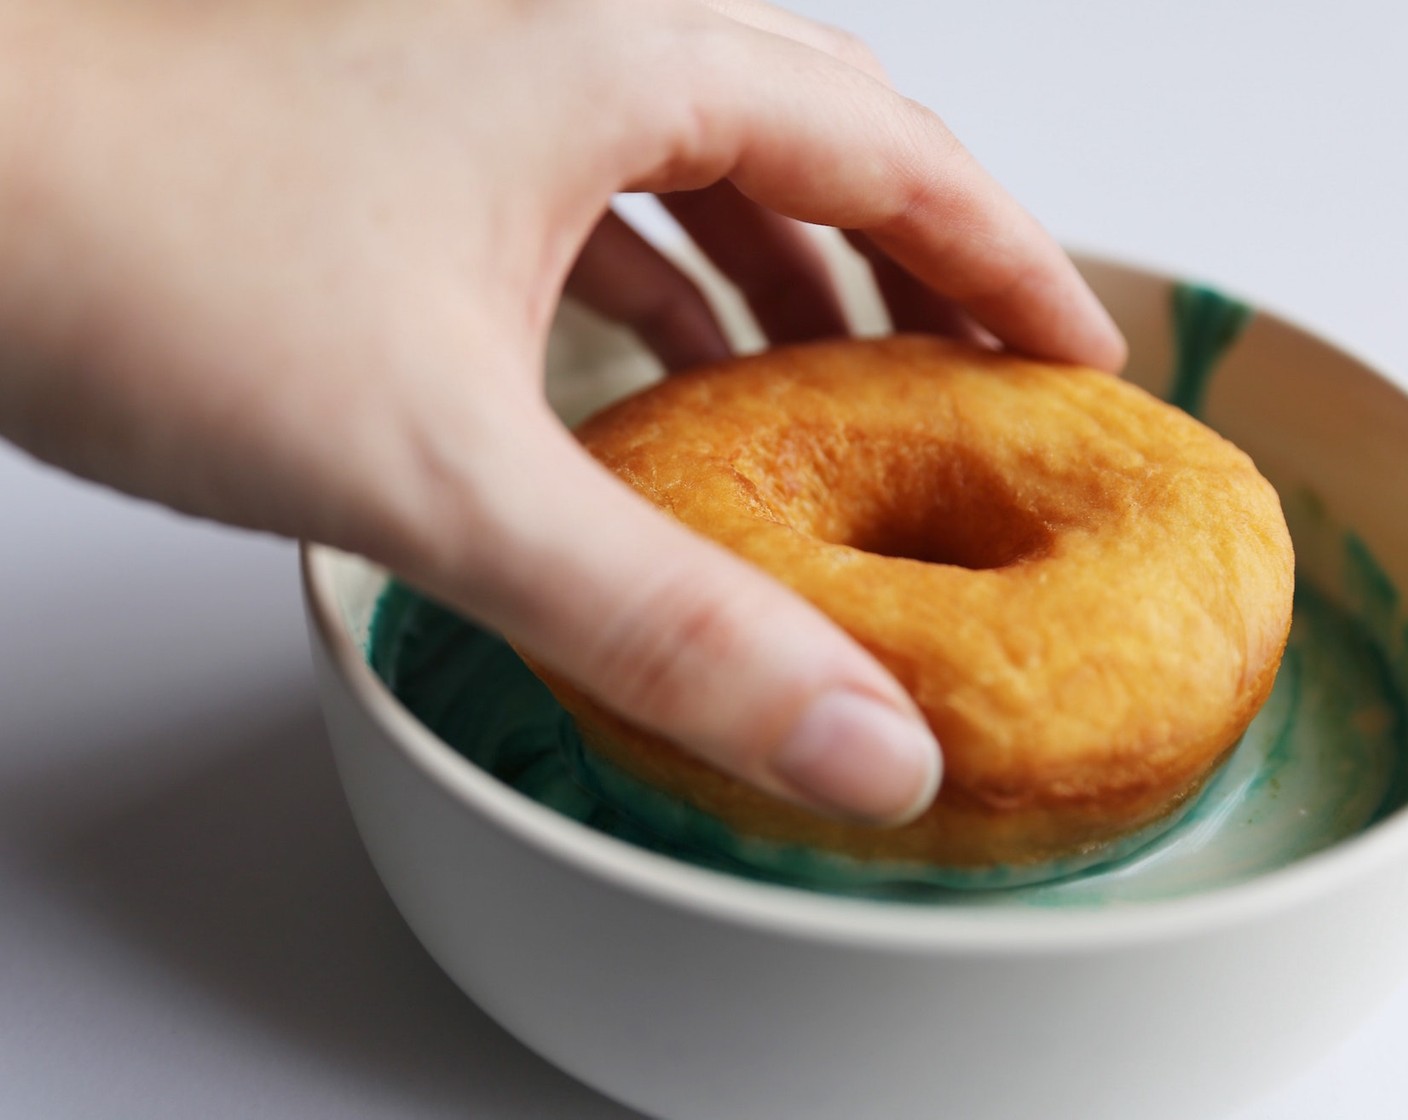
(682, 638)
(912, 305)
(622, 276)
(776, 266)
(811, 137)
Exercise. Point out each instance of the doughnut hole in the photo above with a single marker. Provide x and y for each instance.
(934, 501)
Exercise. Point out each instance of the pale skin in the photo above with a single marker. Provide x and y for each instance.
(291, 266)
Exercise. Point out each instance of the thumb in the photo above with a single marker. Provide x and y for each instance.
(680, 637)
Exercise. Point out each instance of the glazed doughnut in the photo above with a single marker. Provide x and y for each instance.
(1086, 591)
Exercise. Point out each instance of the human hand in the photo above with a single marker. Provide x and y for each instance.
(292, 267)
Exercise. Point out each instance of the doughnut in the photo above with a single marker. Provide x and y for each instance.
(1086, 591)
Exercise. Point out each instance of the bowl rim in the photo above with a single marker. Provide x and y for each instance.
(880, 925)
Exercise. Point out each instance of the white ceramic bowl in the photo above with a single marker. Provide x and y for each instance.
(691, 995)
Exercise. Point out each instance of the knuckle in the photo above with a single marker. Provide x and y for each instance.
(789, 306)
(930, 169)
(853, 51)
(689, 109)
(437, 496)
(1011, 283)
(672, 301)
(653, 660)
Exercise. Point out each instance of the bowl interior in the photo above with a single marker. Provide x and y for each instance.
(1326, 429)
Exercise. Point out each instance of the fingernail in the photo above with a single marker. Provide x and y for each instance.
(856, 757)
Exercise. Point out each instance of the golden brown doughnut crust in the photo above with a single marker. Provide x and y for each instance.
(1086, 591)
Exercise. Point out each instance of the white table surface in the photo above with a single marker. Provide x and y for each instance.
(188, 925)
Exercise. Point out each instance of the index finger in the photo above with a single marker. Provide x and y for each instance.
(805, 134)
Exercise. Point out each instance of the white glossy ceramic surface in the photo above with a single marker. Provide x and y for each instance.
(694, 996)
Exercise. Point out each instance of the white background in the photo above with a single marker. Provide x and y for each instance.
(188, 926)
